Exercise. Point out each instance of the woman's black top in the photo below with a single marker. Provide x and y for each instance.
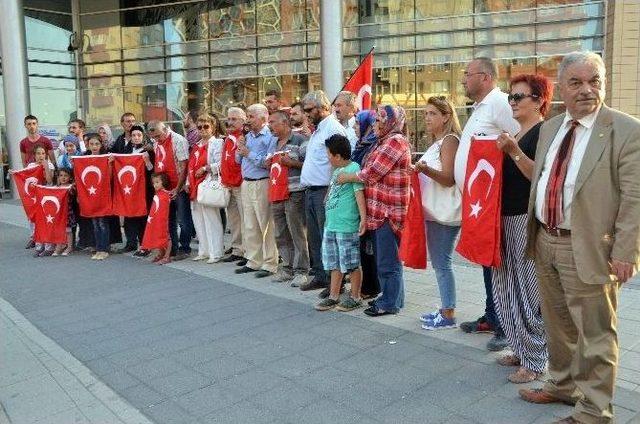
(515, 186)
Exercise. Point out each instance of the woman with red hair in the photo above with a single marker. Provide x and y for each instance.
(515, 288)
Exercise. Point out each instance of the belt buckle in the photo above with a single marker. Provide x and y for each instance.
(556, 231)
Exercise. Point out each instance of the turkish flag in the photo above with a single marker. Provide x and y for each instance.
(24, 180)
(481, 200)
(278, 179)
(51, 214)
(361, 81)
(230, 171)
(129, 185)
(413, 239)
(156, 234)
(93, 184)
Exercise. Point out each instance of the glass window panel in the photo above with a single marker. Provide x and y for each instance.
(232, 44)
(235, 92)
(282, 68)
(505, 19)
(143, 66)
(581, 11)
(292, 87)
(548, 66)
(140, 79)
(281, 53)
(294, 37)
(187, 24)
(394, 44)
(412, 117)
(444, 40)
(371, 11)
(444, 56)
(442, 79)
(280, 15)
(47, 30)
(139, 36)
(447, 24)
(433, 8)
(98, 5)
(566, 46)
(501, 5)
(102, 33)
(394, 85)
(51, 56)
(506, 51)
(232, 21)
(54, 83)
(102, 105)
(561, 30)
(394, 59)
(102, 69)
(505, 35)
(314, 67)
(233, 58)
(55, 5)
(52, 106)
(185, 96)
(192, 61)
(188, 75)
(349, 13)
(233, 72)
(49, 69)
(132, 100)
(192, 47)
(143, 52)
(154, 105)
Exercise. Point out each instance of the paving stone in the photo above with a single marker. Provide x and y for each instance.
(180, 382)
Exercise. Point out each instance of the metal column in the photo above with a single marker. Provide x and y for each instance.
(15, 76)
(331, 46)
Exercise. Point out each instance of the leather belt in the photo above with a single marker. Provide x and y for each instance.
(556, 232)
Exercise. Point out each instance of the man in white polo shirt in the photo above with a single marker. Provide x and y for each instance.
(491, 115)
(315, 177)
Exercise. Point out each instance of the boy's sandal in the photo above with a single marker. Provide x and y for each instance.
(508, 361)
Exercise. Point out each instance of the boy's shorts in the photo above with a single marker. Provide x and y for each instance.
(340, 251)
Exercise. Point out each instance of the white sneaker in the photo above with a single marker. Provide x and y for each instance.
(214, 260)
(299, 279)
(198, 258)
(281, 276)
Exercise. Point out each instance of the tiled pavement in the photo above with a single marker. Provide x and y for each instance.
(195, 343)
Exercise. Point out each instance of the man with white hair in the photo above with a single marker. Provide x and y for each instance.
(231, 176)
(171, 157)
(584, 234)
(258, 236)
(315, 177)
(344, 107)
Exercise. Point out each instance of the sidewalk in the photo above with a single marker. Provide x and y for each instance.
(196, 343)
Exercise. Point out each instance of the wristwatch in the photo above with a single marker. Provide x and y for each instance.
(516, 158)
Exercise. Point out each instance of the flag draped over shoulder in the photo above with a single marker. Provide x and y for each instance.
(278, 179)
(481, 201)
(51, 214)
(413, 241)
(93, 184)
(129, 185)
(25, 180)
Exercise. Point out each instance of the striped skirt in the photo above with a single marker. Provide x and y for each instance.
(516, 297)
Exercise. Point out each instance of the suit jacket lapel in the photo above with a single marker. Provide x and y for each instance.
(544, 143)
(600, 136)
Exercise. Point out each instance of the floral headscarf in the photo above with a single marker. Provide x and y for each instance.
(391, 121)
(365, 119)
(110, 140)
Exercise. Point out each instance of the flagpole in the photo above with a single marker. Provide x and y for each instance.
(352, 73)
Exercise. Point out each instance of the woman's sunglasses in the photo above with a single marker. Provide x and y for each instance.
(516, 97)
(205, 126)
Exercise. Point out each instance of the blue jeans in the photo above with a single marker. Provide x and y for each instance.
(389, 269)
(101, 233)
(440, 241)
(490, 309)
(187, 230)
(314, 201)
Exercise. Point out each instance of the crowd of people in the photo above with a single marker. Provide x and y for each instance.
(570, 210)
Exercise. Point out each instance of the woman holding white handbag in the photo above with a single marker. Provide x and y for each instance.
(204, 166)
(441, 201)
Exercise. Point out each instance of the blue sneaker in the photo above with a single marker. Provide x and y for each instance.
(429, 316)
(439, 323)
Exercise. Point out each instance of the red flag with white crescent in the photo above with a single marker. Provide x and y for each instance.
(129, 185)
(278, 179)
(413, 240)
(51, 214)
(361, 81)
(156, 233)
(25, 180)
(481, 202)
(93, 184)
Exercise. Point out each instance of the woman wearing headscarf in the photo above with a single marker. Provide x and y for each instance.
(106, 136)
(367, 139)
(386, 186)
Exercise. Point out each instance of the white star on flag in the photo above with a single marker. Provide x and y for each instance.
(92, 190)
(49, 219)
(273, 180)
(127, 189)
(34, 199)
(475, 209)
(160, 165)
(149, 219)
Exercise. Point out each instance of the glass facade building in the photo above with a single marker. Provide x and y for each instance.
(158, 59)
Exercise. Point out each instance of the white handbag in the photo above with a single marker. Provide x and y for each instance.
(212, 193)
(439, 203)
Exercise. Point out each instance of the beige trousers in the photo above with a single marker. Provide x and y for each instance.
(234, 221)
(580, 321)
(258, 235)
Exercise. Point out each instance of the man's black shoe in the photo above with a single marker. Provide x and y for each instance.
(141, 253)
(228, 251)
(263, 273)
(314, 284)
(242, 262)
(126, 249)
(231, 258)
(244, 270)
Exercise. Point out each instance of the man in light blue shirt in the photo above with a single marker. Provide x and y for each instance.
(258, 235)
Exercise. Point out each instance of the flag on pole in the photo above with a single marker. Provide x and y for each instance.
(360, 82)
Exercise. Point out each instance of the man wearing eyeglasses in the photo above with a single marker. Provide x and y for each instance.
(491, 115)
(76, 127)
(315, 177)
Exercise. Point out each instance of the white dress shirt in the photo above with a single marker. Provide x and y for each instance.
(491, 116)
(351, 132)
(582, 134)
(316, 169)
(180, 146)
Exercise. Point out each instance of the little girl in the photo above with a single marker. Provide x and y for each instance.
(156, 234)
(101, 223)
(42, 159)
(65, 178)
(70, 149)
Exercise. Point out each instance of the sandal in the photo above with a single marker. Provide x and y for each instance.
(164, 261)
(509, 361)
(66, 251)
(523, 375)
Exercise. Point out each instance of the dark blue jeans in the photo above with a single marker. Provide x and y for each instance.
(489, 309)
(101, 233)
(389, 269)
(181, 215)
(314, 200)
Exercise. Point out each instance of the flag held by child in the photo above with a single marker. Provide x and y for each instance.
(413, 241)
(481, 202)
(51, 214)
(25, 180)
(129, 185)
(278, 179)
(93, 184)
(156, 234)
